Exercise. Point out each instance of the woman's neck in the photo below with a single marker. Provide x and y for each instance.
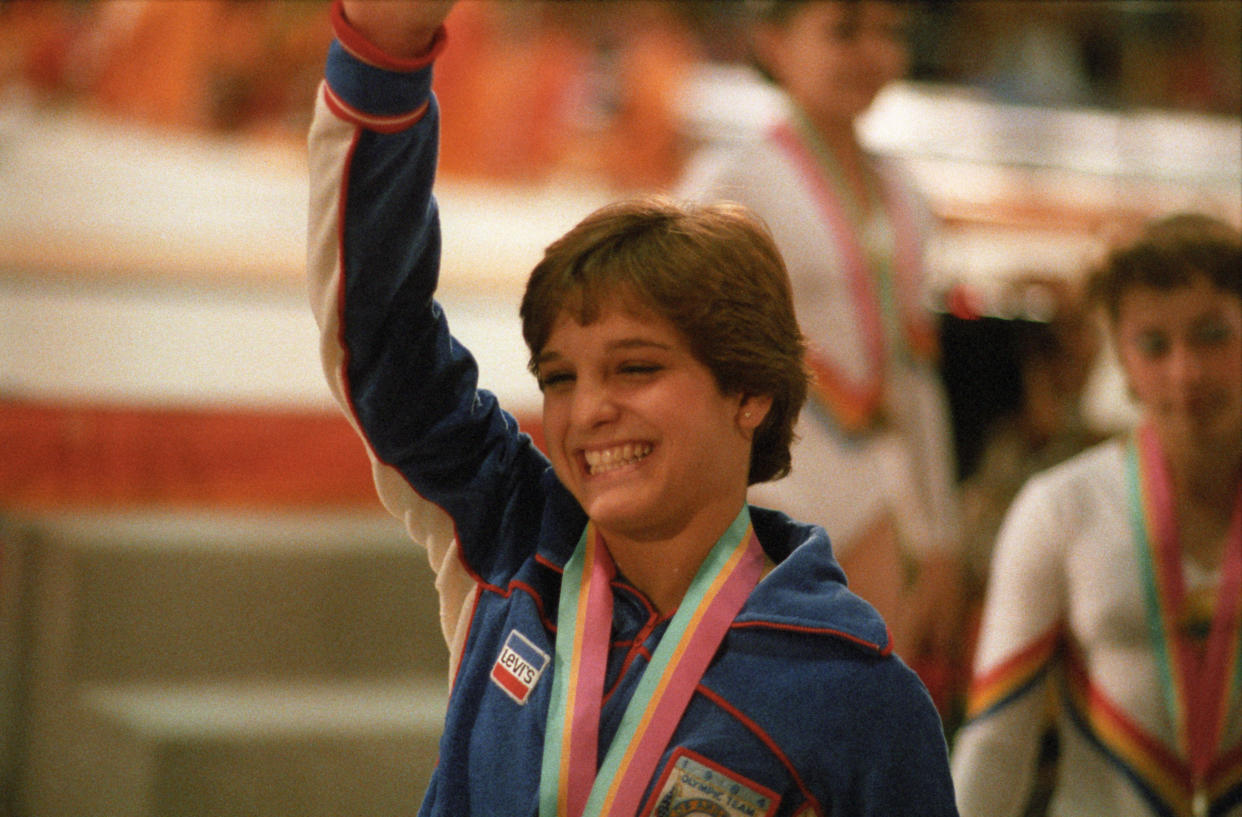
(841, 140)
(842, 143)
(1208, 477)
(1205, 484)
(663, 581)
(663, 568)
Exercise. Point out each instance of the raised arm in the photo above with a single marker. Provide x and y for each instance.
(446, 460)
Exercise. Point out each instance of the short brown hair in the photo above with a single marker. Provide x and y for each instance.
(1170, 252)
(714, 272)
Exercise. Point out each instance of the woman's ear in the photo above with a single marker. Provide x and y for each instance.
(752, 411)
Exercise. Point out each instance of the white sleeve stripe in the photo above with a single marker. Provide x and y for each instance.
(332, 141)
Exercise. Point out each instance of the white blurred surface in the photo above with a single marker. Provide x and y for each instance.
(150, 269)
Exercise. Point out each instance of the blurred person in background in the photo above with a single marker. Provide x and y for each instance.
(1051, 348)
(1016, 382)
(874, 462)
(1116, 584)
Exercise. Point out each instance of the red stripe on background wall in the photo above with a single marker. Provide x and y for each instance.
(85, 456)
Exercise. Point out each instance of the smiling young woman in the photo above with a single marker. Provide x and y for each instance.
(639, 432)
(627, 635)
(635, 321)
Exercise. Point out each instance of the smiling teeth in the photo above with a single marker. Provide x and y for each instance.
(610, 459)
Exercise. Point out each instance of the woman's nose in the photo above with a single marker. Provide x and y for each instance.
(593, 403)
(1185, 365)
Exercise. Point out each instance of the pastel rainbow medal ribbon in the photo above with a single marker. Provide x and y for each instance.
(570, 785)
(885, 296)
(1198, 683)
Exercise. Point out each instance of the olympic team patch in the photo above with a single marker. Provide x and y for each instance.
(693, 786)
(518, 667)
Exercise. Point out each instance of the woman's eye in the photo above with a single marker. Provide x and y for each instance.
(843, 32)
(1212, 333)
(896, 32)
(639, 369)
(552, 380)
(1151, 344)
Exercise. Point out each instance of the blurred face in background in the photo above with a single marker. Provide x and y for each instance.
(1181, 350)
(833, 58)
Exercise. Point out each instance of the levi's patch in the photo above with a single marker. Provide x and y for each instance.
(693, 786)
(518, 667)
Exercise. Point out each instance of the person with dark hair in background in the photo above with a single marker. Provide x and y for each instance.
(1036, 419)
(1116, 583)
(874, 463)
(627, 635)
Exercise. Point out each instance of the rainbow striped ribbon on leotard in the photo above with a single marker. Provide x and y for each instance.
(882, 292)
(1199, 682)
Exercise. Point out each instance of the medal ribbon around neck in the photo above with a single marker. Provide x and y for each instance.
(1197, 685)
(569, 784)
(855, 403)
